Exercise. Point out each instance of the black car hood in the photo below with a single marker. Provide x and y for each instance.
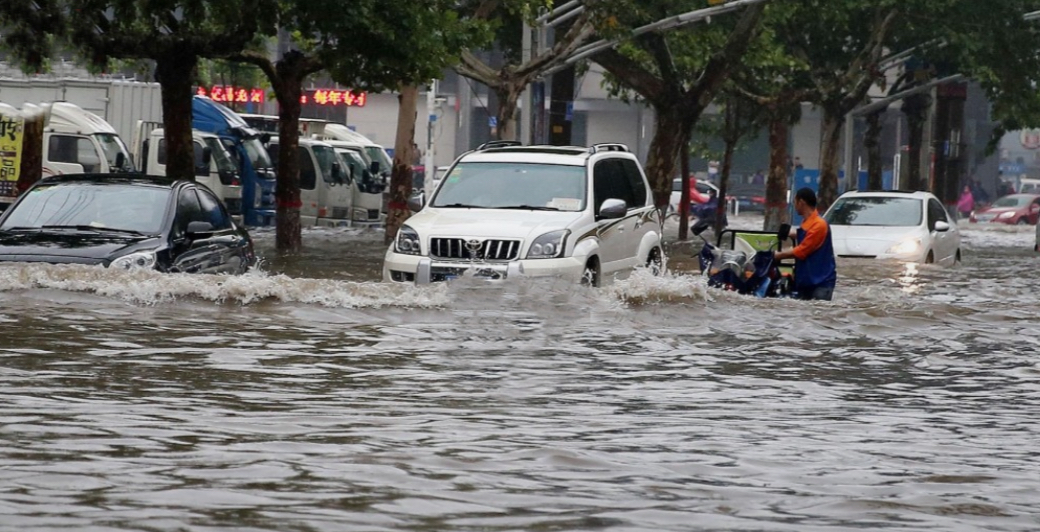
(68, 246)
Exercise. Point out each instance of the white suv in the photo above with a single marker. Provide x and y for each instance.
(505, 210)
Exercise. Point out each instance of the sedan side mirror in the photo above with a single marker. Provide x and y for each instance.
(942, 226)
(613, 209)
(195, 228)
(416, 202)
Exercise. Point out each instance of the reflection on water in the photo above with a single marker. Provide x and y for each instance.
(302, 399)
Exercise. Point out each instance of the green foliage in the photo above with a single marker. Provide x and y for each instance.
(375, 44)
(27, 31)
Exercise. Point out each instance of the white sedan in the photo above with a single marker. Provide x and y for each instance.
(906, 226)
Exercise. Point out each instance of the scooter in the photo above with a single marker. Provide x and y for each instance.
(745, 268)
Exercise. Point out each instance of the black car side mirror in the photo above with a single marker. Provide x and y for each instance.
(195, 228)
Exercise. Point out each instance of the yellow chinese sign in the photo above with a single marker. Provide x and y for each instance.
(10, 153)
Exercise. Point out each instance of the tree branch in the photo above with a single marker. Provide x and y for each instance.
(658, 47)
(633, 74)
(564, 48)
(718, 67)
(472, 67)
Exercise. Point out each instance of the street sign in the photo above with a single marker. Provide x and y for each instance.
(492, 121)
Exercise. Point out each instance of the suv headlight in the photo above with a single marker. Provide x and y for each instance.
(549, 245)
(133, 261)
(407, 241)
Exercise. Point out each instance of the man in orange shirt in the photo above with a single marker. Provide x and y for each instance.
(815, 271)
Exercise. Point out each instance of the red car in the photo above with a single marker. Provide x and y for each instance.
(1013, 209)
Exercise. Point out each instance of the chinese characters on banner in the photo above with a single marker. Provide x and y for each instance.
(10, 154)
(334, 98)
(322, 97)
(229, 94)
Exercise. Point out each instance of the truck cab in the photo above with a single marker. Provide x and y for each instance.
(246, 146)
(326, 188)
(214, 166)
(368, 188)
(76, 141)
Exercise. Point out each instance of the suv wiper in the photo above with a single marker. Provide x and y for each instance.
(529, 208)
(93, 228)
(460, 206)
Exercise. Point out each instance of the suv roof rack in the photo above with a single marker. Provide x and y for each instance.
(608, 146)
(498, 144)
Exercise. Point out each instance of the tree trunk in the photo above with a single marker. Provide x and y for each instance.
(31, 169)
(915, 108)
(175, 72)
(287, 188)
(684, 197)
(829, 158)
(508, 98)
(665, 149)
(872, 142)
(727, 165)
(777, 183)
(401, 177)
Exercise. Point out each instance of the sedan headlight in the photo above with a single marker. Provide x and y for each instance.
(549, 245)
(407, 241)
(1008, 214)
(906, 247)
(134, 261)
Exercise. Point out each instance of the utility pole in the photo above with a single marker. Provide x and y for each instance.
(527, 101)
(430, 171)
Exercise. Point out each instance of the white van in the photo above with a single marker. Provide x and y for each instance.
(214, 166)
(77, 141)
(325, 186)
(368, 206)
(1029, 186)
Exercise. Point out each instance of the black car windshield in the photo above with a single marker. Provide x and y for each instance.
(514, 185)
(101, 206)
(876, 210)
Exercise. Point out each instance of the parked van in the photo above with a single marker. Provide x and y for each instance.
(326, 191)
(367, 180)
(77, 141)
(1029, 186)
(214, 166)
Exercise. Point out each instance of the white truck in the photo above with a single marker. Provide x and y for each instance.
(326, 190)
(78, 141)
(214, 166)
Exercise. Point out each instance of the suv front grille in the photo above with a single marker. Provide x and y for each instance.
(460, 248)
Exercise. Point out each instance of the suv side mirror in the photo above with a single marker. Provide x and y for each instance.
(416, 202)
(613, 209)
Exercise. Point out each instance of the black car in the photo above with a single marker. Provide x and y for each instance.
(124, 222)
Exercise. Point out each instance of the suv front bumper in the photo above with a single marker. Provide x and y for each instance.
(424, 270)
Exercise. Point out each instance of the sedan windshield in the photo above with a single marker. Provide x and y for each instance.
(879, 211)
(1013, 201)
(140, 209)
(514, 186)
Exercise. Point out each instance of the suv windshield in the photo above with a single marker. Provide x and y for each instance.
(514, 185)
(876, 210)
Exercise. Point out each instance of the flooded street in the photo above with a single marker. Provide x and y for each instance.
(313, 397)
